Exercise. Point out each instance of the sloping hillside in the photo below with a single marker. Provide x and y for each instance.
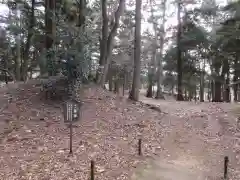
(35, 140)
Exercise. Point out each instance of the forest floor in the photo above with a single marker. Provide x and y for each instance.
(199, 136)
(187, 140)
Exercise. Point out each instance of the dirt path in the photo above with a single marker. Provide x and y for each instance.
(196, 139)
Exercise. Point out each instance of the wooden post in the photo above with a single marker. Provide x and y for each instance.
(71, 134)
(140, 147)
(226, 160)
(92, 170)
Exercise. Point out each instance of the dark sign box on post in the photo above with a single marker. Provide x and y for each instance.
(71, 114)
(72, 111)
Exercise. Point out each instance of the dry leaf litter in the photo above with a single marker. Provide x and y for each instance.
(35, 140)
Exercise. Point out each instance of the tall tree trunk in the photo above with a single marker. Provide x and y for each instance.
(110, 78)
(18, 59)
(159, 94)
(110, 44)
(18, 49)
(217, 91)
(125, 80)
(190, 94)
(227, 90)
(150, 81)
(179, 54)
(81, 15)
(5, 54)
(128, 80)
(116, 85)
(235, 77)
(134, 94)
(185, 94)
(202, 84)
(151, 69)
(50, 29)
(235, 89)
(28, 43)
(6, 67)
(195, 93)
(201, 93)
(209, 91)
(213, 90)
(103, 41)
(227, 85)
(238, 93)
